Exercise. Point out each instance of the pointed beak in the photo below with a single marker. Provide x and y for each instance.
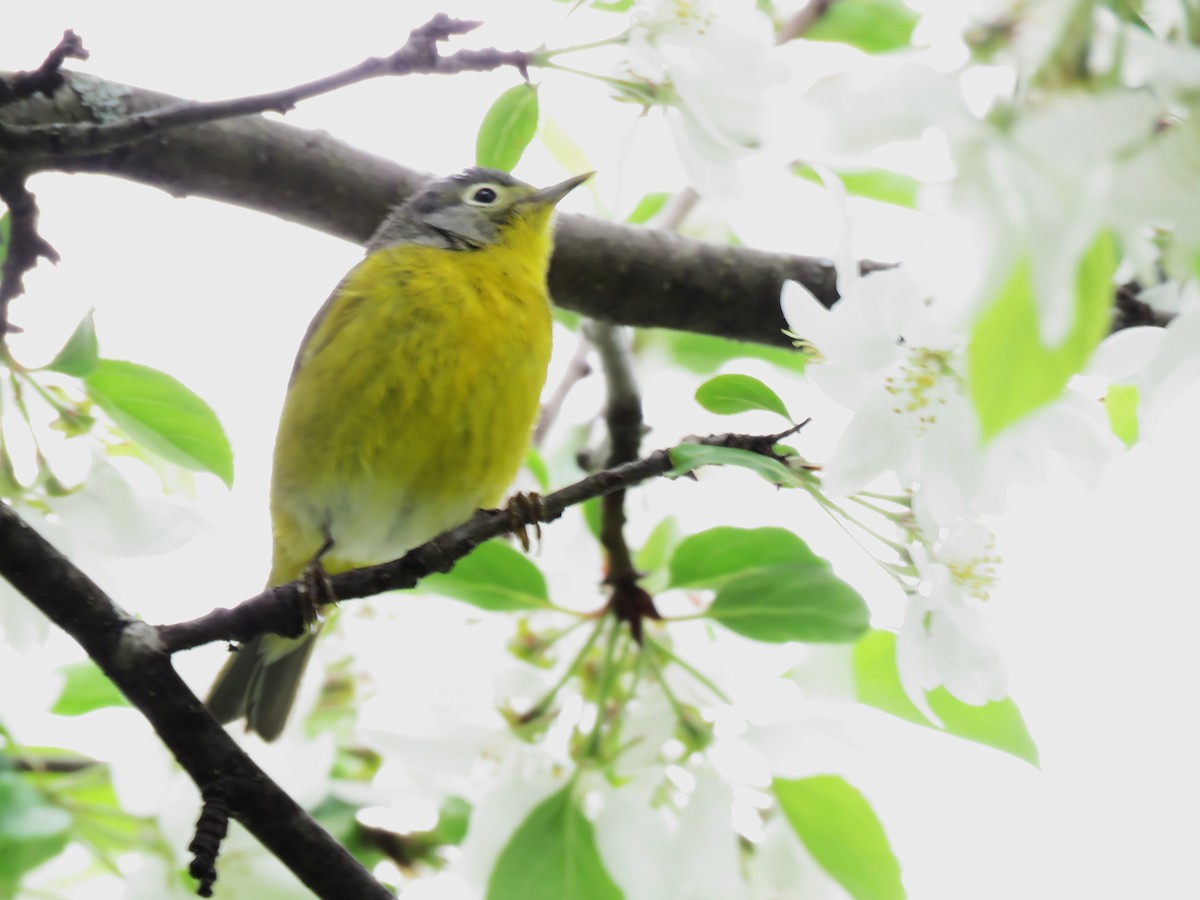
(551, 195)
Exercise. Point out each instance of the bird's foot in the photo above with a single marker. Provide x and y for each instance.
(525, 511)
(318, 591)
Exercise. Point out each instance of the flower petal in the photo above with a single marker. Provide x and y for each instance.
(876, 440)
(1126, 354)
(806, 316)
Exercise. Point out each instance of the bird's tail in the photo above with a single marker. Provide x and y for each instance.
(260, 682)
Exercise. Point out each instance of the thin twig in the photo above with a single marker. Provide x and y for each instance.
(577, 370)
(419, 55)
(25, 245)
(678, 208)
(623, 416)
(803, 20)
(53, 766)
(276, 610)
(46, 78)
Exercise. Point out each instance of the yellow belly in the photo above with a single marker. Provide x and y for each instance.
(411, 405)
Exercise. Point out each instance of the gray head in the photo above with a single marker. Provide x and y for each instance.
(467, 211)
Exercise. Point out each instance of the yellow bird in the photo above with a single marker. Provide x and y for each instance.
(411, 402)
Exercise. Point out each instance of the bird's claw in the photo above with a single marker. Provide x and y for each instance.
(525, 510)
(318, 588)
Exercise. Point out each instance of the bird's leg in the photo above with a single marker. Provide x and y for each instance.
(525, 510)
(318, 588)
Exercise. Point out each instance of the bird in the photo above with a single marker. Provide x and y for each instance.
(411, 402)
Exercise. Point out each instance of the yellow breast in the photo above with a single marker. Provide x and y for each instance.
(413, 401)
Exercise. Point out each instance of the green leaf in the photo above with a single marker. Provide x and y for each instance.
(592, 513)
(1127, 11)
(657, 549)
(704, 353)
(80, 355)
(507, 128)
(687, 457)
(158, 412)
(552, 856)
(454, 817)
(996, 724)
(652, 557)
(791, 602)
(340, 819)
(770, 585)
(31, 829)
(875, 26)
(1011, 372)
(713, 557)
(5, 235)
(87, 688)
(873, 184)
(728, 394)
(567, 318)
(493, 576)
(648, 207)
(1121, 404)
(100, 823)
(564, 150)
(840, 829)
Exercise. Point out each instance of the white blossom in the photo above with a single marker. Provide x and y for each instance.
(658, 852)
(881, 352)
(104, 517)
(1043, 186)
(1161, 362)
(944, 640)
(714, 63)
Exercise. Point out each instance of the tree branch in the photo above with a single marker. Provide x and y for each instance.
(623, 416)
(577, 370)
(419, 54)
(131, 654)
(46, 78)
(804, 19)
(279, 609)
(25, 245)
(136, 657)
(612, 272)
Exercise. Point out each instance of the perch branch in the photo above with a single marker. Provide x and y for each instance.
(277, 609)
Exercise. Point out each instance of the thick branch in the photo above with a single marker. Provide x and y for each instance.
(278, 609)
(616, 273)
(131, 654)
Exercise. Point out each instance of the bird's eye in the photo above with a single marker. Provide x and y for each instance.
(484, 196)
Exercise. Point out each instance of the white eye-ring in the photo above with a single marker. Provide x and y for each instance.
(484, 195)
